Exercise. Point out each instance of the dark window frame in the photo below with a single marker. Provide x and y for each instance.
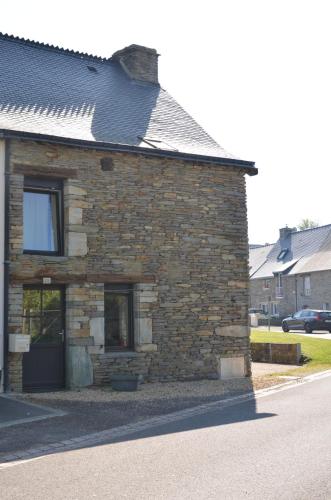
(48, 186)
(127, 290)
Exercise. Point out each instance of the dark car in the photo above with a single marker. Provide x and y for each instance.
(308, 320)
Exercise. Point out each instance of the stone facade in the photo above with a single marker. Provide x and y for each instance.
(175, 230)
(294, 297)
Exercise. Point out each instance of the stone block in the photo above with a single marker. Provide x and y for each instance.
(75, 215)
(232, 331)
(75, 190)
(234, 367)
(146, 348)
(77, 244)
(79, 367)
(145, 330)
(97, 330)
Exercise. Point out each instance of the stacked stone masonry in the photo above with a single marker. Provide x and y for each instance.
(175, 230)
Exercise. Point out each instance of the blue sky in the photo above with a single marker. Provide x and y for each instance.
(255, 74)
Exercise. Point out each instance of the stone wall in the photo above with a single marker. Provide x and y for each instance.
(176, 230)
(265, 352)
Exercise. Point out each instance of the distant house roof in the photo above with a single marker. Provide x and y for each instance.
(307, 251)
(55, 92)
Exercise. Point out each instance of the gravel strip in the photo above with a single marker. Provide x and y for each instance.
(158, 391)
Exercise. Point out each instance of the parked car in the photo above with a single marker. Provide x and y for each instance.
(308, 320)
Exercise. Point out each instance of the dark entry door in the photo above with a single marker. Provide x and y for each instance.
(43, 320)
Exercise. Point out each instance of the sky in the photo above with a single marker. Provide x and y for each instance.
(254, 73)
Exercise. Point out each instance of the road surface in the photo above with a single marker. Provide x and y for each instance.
(319, 334)
(275, 447)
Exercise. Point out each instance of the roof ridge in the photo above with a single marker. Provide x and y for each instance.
(263, 246)
(50, 47)
(311, 229)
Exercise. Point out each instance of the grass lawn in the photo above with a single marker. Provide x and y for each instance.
(317, 350)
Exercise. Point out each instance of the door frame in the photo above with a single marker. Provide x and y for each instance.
(62, 289)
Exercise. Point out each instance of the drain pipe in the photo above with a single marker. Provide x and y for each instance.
(6, 265)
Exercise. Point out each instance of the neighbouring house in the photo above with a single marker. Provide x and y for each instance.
(292, 274)
(123, 228)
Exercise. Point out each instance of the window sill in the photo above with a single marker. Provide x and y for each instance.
(53, 257)
(121, 354)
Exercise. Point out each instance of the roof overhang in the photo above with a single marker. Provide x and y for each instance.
(247, 166)
(285, 267)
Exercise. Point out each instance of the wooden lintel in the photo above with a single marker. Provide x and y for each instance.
(39, 171)
(67, 279)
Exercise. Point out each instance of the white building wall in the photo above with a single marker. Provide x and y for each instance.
(2, 256)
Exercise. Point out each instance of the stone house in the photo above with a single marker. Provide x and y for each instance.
(292, 274)
(123, 233)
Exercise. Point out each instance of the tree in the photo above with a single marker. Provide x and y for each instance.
(307, 224)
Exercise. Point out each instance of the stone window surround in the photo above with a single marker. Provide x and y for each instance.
(145, 296)
(124, 290)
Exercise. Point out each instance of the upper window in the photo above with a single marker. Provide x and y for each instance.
(119, 317)
(282, 254)
(306, 285)
(279, 280)
(42, 216)
(266, 283)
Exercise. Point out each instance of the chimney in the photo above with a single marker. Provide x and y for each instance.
(284, 232)
(139, 63)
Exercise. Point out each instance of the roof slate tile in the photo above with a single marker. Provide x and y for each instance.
(46, 90)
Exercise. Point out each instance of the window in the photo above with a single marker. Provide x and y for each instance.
(118, 317)
(42, 216)
(326, 306)
(274, 309)
(306, 286)
(279, 286)
(264, 308)
(266, 284)
(282, 254)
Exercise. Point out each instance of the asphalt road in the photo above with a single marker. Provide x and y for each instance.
(275, 447)
(320, 334)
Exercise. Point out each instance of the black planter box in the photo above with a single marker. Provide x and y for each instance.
(124, 382)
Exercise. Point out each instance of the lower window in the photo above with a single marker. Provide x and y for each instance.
(119, 317)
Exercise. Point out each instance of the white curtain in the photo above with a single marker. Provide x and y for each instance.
(39, 230)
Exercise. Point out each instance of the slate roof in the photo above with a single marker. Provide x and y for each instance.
(308, 251)
(51, 91)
